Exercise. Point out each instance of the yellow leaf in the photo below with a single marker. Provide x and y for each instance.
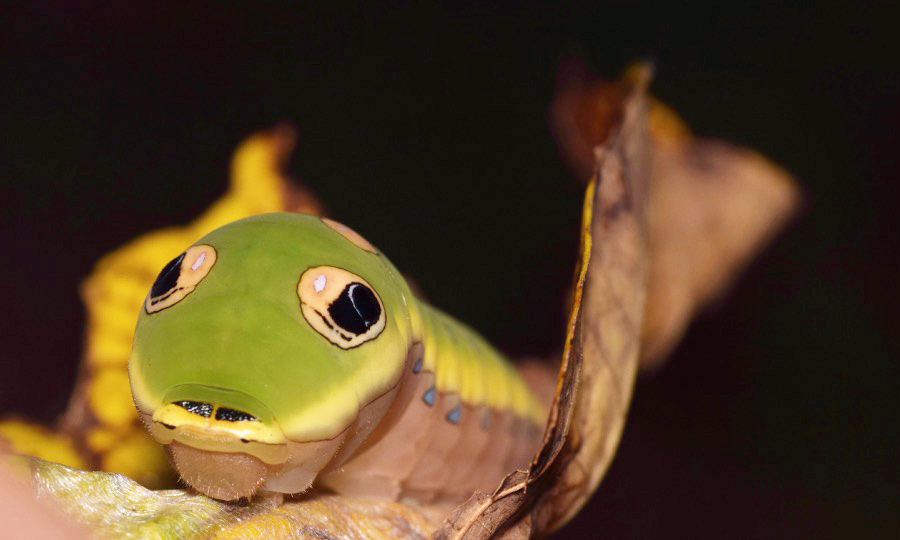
(22, 437)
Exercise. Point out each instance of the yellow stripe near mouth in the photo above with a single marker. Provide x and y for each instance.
(183, 420)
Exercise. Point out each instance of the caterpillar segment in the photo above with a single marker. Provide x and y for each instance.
(284, 351)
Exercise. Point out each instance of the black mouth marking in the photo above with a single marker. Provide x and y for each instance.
(196, 407)
(231, 415)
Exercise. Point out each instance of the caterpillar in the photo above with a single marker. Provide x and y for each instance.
(284, 351)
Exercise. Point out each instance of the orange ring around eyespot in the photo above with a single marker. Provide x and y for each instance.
(317, 288)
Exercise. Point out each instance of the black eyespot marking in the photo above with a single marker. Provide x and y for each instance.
(339, 305)
(167, 278)
(356, 309)
(231, 415)
(196, 407)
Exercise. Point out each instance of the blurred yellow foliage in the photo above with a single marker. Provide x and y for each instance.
(26, 438)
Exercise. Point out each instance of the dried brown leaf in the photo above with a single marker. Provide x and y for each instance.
(711, 205)
(602, 346)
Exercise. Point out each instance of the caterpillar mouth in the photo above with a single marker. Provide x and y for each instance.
(228, 445)
(218, 420)
(224, 476)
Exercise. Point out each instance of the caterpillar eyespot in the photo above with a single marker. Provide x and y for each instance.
(341, 306)
(180, 277)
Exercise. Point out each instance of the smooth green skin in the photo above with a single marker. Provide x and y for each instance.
(241, 338)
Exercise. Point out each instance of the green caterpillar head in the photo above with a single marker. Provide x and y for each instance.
(259, 346)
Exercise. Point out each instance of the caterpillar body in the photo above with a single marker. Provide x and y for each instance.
(284, 350)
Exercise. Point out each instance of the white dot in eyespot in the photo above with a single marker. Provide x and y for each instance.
(319, 283)
(199, 261)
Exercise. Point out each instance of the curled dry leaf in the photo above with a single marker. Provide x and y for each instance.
(601, 353)
(711, 205)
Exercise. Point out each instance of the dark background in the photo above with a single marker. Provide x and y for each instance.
(425, 128)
